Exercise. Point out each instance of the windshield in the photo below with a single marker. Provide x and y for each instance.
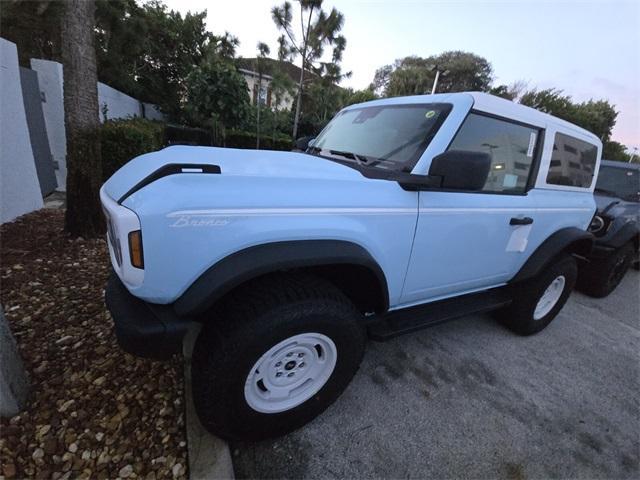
(390, 136)
(621, 182)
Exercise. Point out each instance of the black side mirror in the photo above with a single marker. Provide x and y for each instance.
(461, 170)
(302, 143)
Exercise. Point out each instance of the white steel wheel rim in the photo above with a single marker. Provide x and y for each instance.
(550, 297)
(290, 373)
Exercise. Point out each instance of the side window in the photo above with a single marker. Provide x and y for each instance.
(512, 148)
(573, 162)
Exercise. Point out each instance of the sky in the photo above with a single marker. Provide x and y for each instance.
(587, 48)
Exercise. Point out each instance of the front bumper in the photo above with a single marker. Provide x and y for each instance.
(144, 329)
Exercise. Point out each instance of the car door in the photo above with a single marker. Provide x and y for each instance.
(471, 240)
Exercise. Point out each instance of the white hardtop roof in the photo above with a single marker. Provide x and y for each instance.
(487, 103)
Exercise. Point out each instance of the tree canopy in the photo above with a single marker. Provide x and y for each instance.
(415, 75)
(597, 116)
(216, 94)
(616, 151)
(148, 50)
(155, 54)
(142, 49)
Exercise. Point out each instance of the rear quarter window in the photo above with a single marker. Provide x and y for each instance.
(573, 162)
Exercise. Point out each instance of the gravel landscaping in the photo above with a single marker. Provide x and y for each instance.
(94, 411)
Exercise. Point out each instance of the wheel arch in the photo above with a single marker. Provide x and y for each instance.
(346, 264)
(569, 240)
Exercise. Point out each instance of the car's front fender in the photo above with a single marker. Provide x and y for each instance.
(253, 262)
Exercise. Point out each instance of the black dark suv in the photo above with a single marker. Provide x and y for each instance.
(616, 226)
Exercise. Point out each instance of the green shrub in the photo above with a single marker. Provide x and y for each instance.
(124, 139)
(242, 139)
(183, 135)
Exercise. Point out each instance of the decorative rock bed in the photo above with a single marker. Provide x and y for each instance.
(94, 411)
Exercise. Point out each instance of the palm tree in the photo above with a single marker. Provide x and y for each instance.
(84, 162)
(317, 30)
(263, 51)
(281, 86)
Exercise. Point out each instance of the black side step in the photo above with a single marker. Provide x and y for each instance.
(408, 320)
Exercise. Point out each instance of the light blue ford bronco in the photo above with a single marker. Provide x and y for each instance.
(401, 213)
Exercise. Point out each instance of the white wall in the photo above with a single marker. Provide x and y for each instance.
(50, 80)
(118, 104)
(152, 112)
(19, 187)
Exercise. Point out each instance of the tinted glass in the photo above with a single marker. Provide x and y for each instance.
(620, 182)
(573, 162)
(512, 149)
(390, 137)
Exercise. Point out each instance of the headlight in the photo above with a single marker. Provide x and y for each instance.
(600, 224)
(597, 224)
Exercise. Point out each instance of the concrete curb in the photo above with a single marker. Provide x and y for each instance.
(209, 456)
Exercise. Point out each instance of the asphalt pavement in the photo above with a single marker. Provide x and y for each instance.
(469, 399)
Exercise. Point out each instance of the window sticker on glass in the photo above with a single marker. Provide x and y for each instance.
(510, 180)
(532, 144)
(430, 113)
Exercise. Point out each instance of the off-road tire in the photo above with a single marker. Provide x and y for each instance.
(601, 277)
(249, 322)
(519, 316)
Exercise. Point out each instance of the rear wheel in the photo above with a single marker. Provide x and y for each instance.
(601, 277)
(536, 302)
(279, 352)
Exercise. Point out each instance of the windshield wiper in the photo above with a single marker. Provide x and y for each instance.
(354, 156)
(360, 159)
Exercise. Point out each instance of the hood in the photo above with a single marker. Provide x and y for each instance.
(603, 202)
(616, 208)
(237, 162)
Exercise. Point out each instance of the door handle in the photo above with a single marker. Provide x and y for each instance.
(521, 221)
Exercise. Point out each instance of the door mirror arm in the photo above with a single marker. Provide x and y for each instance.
(415, 183)
(303, 143)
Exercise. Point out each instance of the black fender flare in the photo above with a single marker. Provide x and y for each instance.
(571, 239)
(629, 232)
(258, 260)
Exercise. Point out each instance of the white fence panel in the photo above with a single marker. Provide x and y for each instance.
(116, 104)
(50, 80)
(19, 187)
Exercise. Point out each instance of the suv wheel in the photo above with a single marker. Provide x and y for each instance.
(601, 277)
(279, 352)
(537, 301)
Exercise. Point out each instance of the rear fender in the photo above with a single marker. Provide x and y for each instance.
(571, 240)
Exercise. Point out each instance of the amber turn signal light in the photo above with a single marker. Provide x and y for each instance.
(135, 249)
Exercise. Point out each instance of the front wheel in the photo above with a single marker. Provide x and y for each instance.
(601, 277)
(536, 302)
(278, 353)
